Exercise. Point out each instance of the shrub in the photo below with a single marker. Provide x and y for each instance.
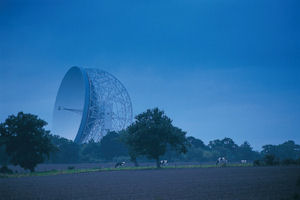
(298, 161)
(121, 159)
(71, 167)
(269, 159)
(296, 196)
(5, 170)
(298, 181)
(256, 163)
(288, 162)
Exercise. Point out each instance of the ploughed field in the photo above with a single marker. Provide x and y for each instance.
(195, 183)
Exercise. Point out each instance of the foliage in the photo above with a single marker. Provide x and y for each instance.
(5, 170)
(196, 150)
(269, 159)
(288, 161)
(245, 151)
(66, 150)
(26, 141)
(224, 148)
(90, 152)
(111, 146)
(256, 163)
(150, 134)
(4, 158)
(125, 138)
(286, 150)
(298, 181)
(114, 146)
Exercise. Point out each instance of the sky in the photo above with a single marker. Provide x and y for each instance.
(218, 68)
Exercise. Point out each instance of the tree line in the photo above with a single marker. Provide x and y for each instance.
(112, 149)
(25, 142)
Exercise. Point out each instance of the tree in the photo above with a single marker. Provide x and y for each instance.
(224, 148)
(125, 138)
(4, 158)
(150, 134)
(196, 143)
(270, 159)
(26, 141)
(90, 152)
(66, 150)
(111, 146)
(246, 152)
(196, 149)
(286, 150)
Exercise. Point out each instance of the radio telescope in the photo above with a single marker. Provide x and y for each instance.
(89, 104)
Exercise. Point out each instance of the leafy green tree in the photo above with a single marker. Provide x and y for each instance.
(66, 150)
(90, 152)
(4, 158)
(196, 143)
(125, 138)
(269, 149)
(150, 134)
(26, 141)
(225, 148)
(245, 151)
(270, 159)
(288, 150)
(196, 148)
(111, 146)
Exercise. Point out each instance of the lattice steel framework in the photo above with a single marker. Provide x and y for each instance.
(109, 106)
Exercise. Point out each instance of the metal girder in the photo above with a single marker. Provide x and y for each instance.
(109, 106)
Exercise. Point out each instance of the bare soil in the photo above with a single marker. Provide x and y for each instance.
(234, 183)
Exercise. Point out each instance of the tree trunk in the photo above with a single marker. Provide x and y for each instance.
(136, 164)
(157, 163)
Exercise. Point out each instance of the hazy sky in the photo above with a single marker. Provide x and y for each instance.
(219, 68)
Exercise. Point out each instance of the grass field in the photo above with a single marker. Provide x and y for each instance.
(181, 183)
(74, 171)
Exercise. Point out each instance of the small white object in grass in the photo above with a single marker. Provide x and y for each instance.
(119, 164)
(221, 161)
(164, 162)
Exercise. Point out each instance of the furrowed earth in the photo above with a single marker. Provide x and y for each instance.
(195, 183)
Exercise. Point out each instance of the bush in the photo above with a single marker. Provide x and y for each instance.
(298, 181)
(121, 159)
(269, 159)
(71, 167)
(256, 163)
(288, 162)
(5, 170)
(298, 161)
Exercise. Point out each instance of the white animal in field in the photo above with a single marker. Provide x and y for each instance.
(243, 161)
(163, 162)
(119, 164)
(221, 161)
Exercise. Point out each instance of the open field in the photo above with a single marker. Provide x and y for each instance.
(48, 167)
(58, 169)
(189, 183)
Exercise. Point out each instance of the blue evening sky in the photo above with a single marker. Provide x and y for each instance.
(218, 68)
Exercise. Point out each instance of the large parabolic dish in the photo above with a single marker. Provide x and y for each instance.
(90, 103)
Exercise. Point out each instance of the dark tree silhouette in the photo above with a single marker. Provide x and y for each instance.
(150, 134)
(66, 150)
(111, 146)
(26, 141)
